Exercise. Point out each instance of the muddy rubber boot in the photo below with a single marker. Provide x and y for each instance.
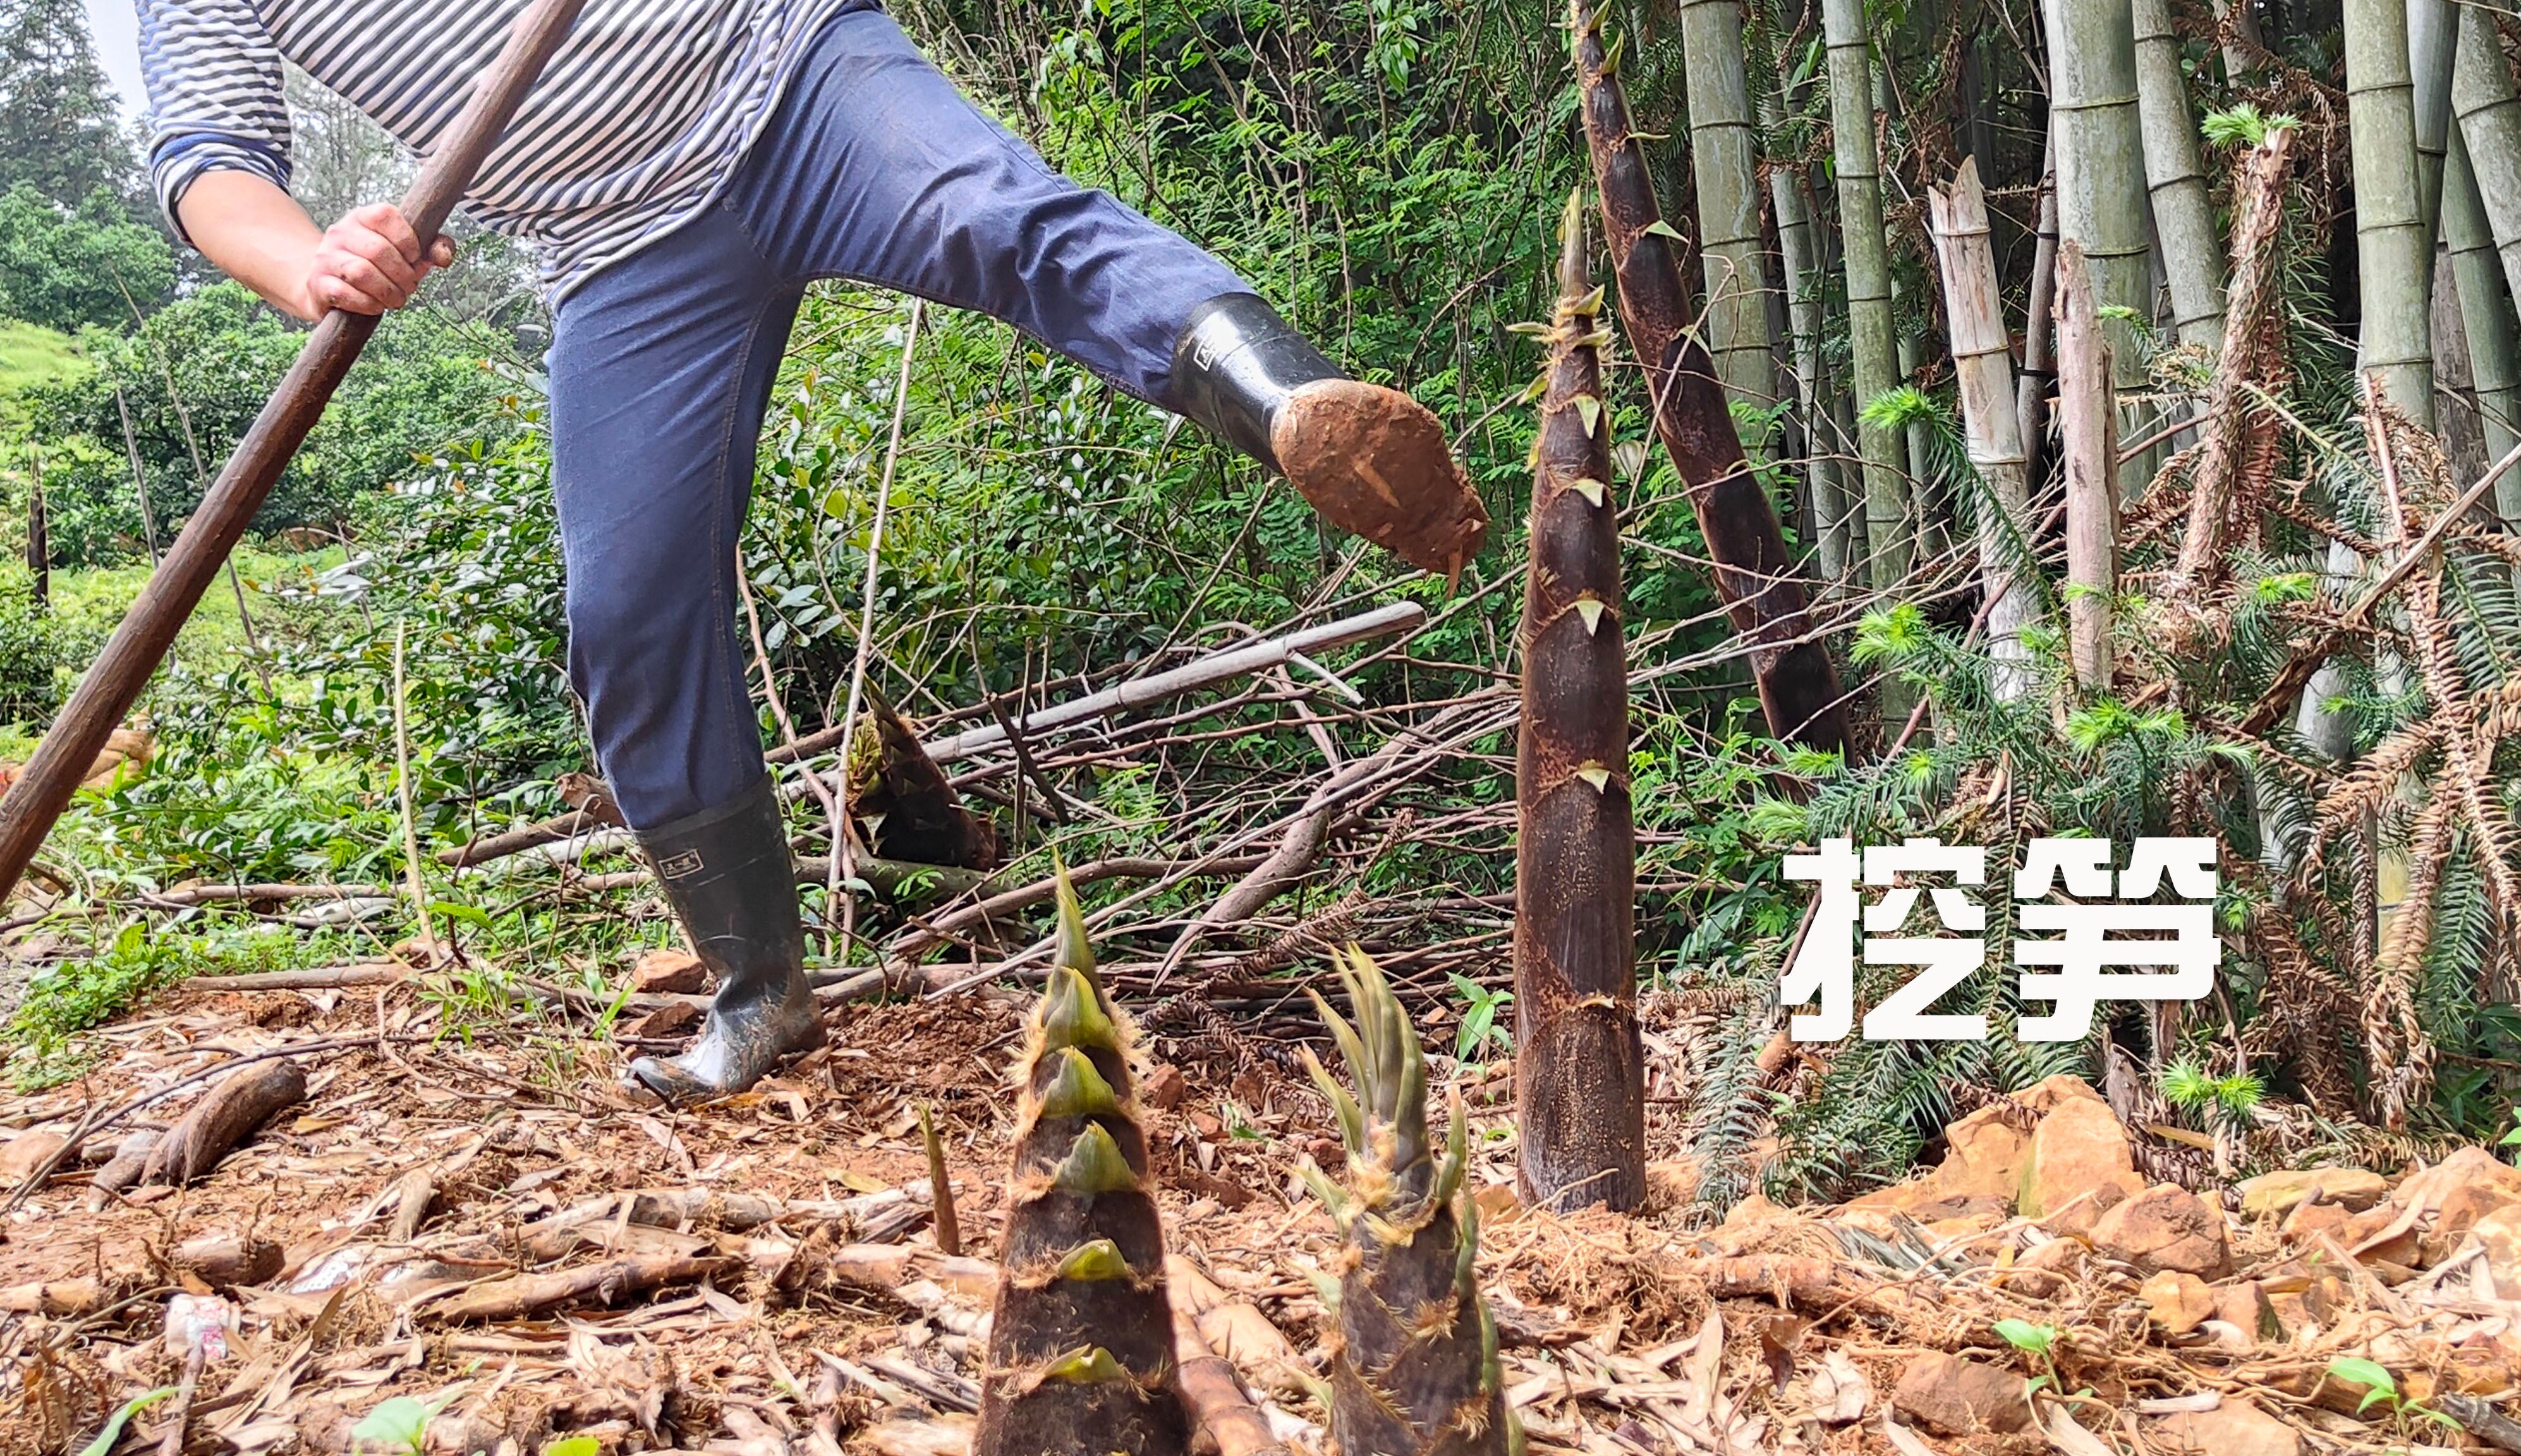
(727, 873)
(1371, 460)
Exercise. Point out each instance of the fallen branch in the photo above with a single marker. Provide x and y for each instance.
(521, 1294)
(944, 928)
(1213, 1397)
(97, 1122)
(1400, 619)
(224, 1260)
(2291, 678)
(226, 1115)
(2480, 1419)
(314, 979)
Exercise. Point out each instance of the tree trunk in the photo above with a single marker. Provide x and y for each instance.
(2088, 421)
(1755, 575)
(1890, 513)
(2184, 216)
(1829, 502)
(2393, 249)
(2100, 141)
(1083, 1254)
(1725, 164)
(1579, 1071)
(2494, 361)
(1983, 363)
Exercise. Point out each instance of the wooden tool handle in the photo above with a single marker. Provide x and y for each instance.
(140, 643)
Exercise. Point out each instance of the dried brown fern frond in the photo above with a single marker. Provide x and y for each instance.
(2395, 1042)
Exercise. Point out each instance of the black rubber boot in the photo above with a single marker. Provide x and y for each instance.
(1370, 459)
(727, 873)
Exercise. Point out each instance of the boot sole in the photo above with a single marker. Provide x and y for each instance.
(1375, 462)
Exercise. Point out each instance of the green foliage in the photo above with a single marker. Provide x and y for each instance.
(112, 1436)
(67, 996)
(2232, 1098)
(74, 268)
(33, 650)
(1480, 1007)
(2244, 125)
(59, 130)
(421, 384)
(2028, 1338)
(399, 1424)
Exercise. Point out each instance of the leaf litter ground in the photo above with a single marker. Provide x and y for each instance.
(469, 1215)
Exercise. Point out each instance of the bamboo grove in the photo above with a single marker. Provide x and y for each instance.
(2084, 416)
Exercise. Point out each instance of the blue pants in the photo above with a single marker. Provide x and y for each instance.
(874, 168)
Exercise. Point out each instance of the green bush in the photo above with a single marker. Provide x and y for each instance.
(32, 649)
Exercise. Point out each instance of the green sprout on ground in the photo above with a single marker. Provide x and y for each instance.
(2381, 1389)
(2039, 1343)
(399, 1424)
(1480, 1007)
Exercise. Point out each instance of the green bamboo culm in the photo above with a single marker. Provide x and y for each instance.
(1081, 1356)
(2183, 214)
(1890, 517)
(1414, 1366)
(2102, 207)
(1725, 163)
(2394, 250)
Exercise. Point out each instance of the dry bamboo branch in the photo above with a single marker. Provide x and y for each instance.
(2240, 433)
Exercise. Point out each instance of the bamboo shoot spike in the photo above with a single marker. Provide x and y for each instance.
(1081, 1355)
(1580, 1070)
(1414, 1359)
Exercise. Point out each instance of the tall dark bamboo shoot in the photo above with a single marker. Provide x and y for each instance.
(1580, 1082)
(1413, 1356)
(1755, 575)
(1080, 1354)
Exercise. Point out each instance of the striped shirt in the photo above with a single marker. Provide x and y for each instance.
(634, 128)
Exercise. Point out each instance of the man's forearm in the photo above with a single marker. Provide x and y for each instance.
(257, 234)
(367, 263)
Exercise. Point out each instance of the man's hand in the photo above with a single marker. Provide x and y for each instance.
(370, 262)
